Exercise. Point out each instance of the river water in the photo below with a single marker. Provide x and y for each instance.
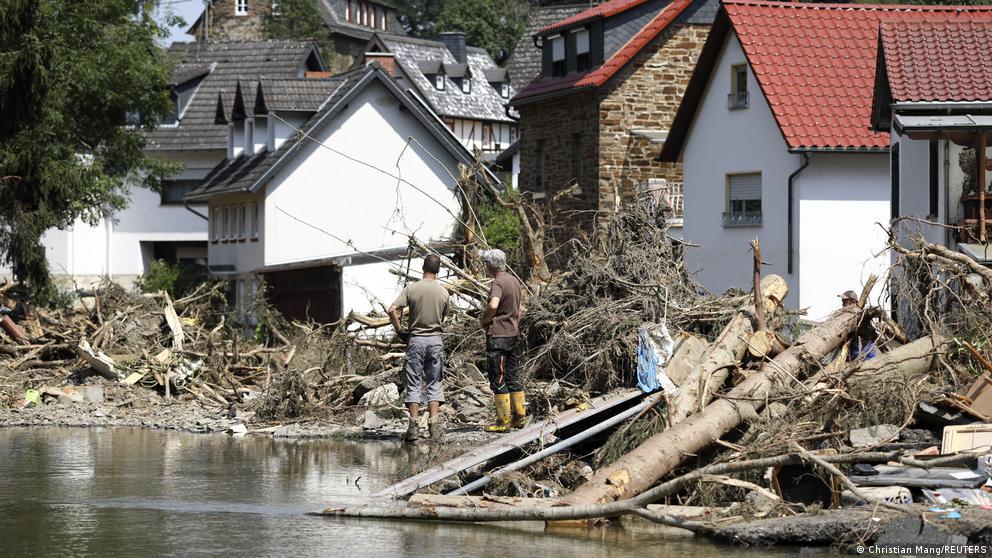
(140, 492)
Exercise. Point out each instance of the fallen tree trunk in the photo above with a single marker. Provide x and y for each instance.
(729, 348)
(636, 471)
(903, 363)
(559, 511)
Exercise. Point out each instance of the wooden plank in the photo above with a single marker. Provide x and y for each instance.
(506, 443)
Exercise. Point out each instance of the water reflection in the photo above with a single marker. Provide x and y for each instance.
(134, 492)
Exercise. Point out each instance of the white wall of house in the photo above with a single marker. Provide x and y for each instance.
(722, 142)
(491, 137)
(364, 209)
(838, 200)
(121, 246)
(842, 199)
(234, 248)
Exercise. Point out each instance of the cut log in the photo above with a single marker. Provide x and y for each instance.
(690, 350)
(636, 471)
(765, 344)
(729, 348)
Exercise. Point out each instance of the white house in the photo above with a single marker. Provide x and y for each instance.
(774, 134)
(325, 181)
(162, 226)
(931, 92)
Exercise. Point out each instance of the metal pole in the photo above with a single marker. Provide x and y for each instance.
(566, 443)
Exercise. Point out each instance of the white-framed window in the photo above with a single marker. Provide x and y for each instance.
(276, 8)
(383, 22)
(242, 221)
(743, 200)
(583, 59)
(214, 224)
(240, 7)
(439, 82)
(558, 67)
(466, 85)
(738, 98)
(348, 11)
(227, 224)
(255, 220)
(504, 90)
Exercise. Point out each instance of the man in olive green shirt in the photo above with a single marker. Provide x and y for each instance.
(429, 303)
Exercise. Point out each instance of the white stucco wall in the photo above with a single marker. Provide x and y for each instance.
(842, 201)
(350, 200)
(838, 199)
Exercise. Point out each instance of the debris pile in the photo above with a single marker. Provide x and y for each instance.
(759, 416)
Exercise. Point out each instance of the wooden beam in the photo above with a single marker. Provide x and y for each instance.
(506, 443)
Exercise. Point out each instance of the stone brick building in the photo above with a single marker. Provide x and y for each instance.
(350, 24)
(595, 118)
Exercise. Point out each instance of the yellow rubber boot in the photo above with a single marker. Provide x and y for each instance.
(519, 410)
(502, 424)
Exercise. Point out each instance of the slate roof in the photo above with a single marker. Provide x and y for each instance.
(238, 175)
(305, 94)
(250, 173)
(525, 63)
(815, 64)
(599, 75)
(231, 61)
(483, 103)
(945, 58)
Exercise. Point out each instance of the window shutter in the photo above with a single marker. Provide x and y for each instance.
(745, 186)
(582, 42)
(558, 48)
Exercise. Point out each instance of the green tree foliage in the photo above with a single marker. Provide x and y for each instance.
(69, 73)
(176, 279)
(501, 228)
(494, 25)
(300, 19)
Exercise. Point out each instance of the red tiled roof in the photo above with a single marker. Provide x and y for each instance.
(939, 58)
(815, 64)
(605, 71)
(606, 9)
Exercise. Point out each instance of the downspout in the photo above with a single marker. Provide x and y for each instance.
(792, 178)
(947, 193)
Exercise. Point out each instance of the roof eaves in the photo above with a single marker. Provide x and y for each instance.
(671, 150)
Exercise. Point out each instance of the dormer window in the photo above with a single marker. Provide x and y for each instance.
(466, 85)
(504, 90)
(240, 7)
(249, 137)
(439, 82)
(583, 60)
(558, 67)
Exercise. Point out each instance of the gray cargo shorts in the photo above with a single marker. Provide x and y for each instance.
(424, 365)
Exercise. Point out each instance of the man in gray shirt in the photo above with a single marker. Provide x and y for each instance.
(429, 303)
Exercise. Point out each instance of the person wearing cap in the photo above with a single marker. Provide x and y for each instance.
(862, 345)
(500, 320)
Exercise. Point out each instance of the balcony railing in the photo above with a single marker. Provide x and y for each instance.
(737, 100)
(667, 193)
(742, 219)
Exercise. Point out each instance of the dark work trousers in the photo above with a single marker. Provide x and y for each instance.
(501, 355)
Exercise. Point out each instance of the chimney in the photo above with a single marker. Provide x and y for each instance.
(455, 41)
(385, 59)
